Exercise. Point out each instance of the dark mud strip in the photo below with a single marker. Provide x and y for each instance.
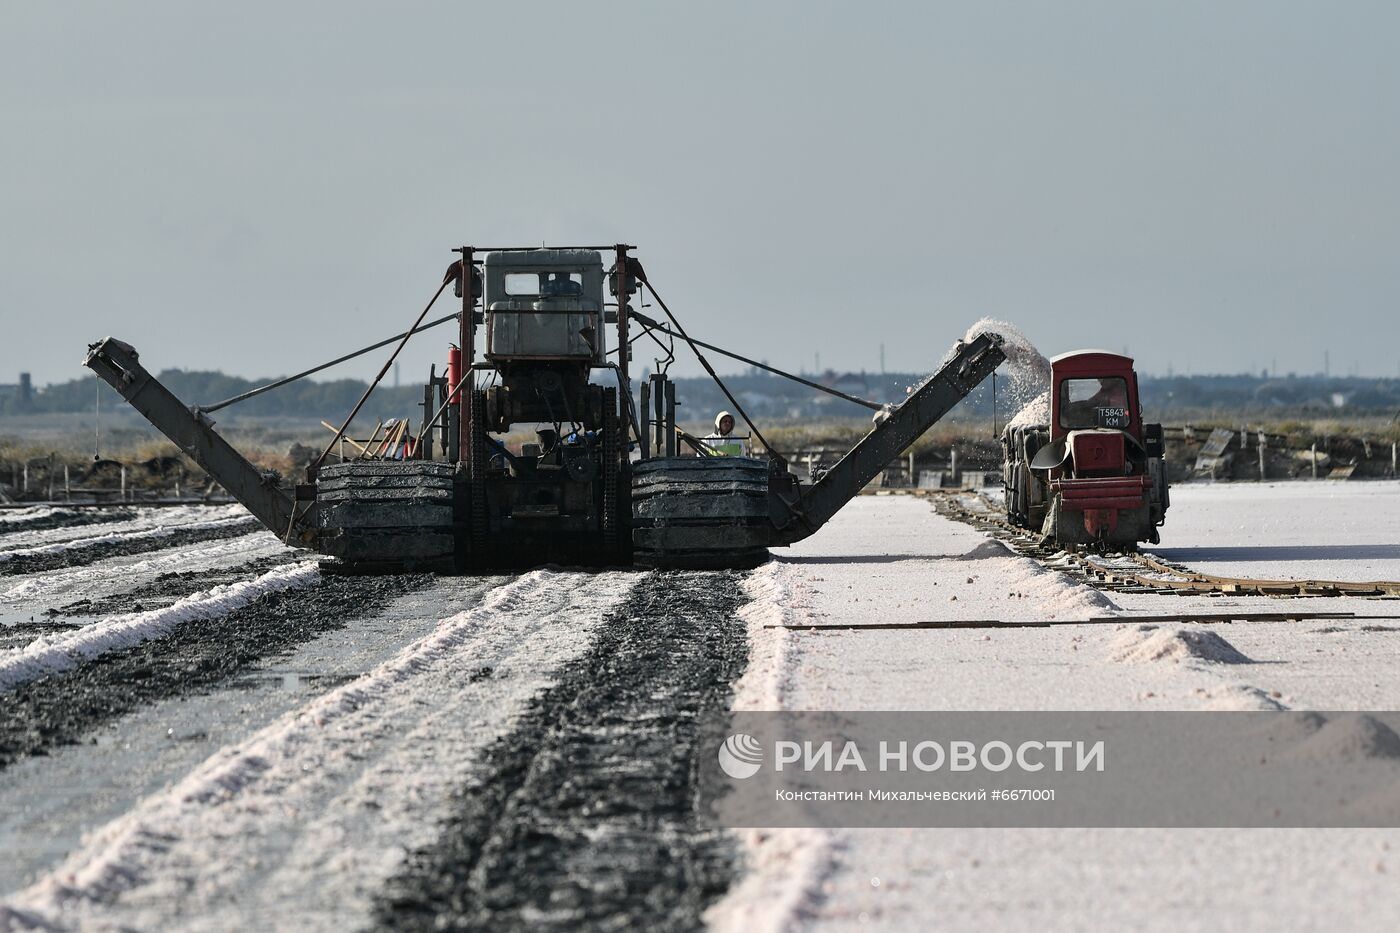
(17, 636)
(169, 588)
(585, 816)
(65, 708)
(67, 518)
(101, 550)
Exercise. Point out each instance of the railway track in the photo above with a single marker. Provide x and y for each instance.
(1133, 572)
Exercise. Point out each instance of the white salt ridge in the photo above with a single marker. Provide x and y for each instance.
(161, 531)
(783, 879)
(124, 570)
(1146, 643)
(785, 868)
(9, 516)
(53, 653)
(777, 597)
(1237, 698)
(143, 519)
(1055, 596)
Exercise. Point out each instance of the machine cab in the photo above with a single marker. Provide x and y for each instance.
(1094, 390)
(545, 304)
(1096, 419)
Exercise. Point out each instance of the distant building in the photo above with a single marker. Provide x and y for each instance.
(21, 392)
(850, 383)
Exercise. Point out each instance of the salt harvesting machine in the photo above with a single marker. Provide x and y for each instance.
(605, 481)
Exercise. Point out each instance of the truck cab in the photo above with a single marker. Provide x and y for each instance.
(544, 335)
(545, 305)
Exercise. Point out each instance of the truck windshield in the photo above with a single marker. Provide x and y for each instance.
(1094, 403)
(556, 284)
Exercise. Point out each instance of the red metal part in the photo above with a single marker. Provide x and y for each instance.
(1100, 522)
(1109, 492)
(454, 365)
(1097, 452)
(454, 371)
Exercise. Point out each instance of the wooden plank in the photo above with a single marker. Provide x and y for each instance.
(1183, 618)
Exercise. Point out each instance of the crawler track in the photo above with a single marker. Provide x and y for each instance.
(1133, 572)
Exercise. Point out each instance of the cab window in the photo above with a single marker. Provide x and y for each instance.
(1094, 403)
(544, 284)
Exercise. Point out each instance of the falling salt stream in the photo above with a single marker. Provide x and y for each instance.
(1026, 370)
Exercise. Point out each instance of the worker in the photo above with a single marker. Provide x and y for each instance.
(1113, 393)
(724, 443)
(558, 285)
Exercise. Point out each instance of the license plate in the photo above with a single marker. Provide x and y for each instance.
(1113, 417)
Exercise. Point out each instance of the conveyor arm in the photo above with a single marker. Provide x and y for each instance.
(118, 365)
(799, 511)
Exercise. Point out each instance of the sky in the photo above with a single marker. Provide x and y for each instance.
(257, 187)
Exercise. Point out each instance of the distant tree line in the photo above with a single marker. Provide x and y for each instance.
(1164, 397)
(767, 396)
(330, 399)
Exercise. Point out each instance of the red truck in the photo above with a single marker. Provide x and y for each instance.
(1095, 476)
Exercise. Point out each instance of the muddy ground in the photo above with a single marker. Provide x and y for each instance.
(587, 814)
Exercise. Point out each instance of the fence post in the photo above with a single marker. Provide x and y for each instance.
(123, 488)
(25, 487)
(953, 465)
(1314, 459)
(50, 473)
(672, 442)
(1263, 442)
(912, 482)
(67, 489)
